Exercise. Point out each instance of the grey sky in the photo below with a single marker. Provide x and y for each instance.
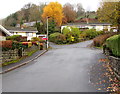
(10, 6)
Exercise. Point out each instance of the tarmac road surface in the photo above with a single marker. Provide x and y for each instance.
(64, 68)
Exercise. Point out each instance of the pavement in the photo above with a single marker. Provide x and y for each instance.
(64, 68)
(23, 60)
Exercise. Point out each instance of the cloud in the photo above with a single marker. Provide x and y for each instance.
(10, 6)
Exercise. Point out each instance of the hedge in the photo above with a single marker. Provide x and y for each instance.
(57, 38)
(18, 38)
(113, 43)
(99, 40)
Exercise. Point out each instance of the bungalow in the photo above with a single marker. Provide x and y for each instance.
(4, 33)
(28, 24)
(28, 34)
(97, 26)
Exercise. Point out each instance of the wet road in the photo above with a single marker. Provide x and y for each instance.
(64, 68)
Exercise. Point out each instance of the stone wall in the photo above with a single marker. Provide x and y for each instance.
(115, 64)
(10, 55)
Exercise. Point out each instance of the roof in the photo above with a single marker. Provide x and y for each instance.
(22, 31)
(5, 31)
(85, 24)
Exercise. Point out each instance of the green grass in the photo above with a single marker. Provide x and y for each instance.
(11, 62)
(30, 53)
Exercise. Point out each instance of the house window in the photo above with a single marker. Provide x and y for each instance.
(28, 34)
(93, 26)
(105, 27)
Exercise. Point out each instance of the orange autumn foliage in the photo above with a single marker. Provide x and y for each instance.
(53, 10)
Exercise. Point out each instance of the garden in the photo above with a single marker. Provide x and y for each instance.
(17, 47)
(71, 35)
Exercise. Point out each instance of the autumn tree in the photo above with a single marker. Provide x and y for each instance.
(53, 10)
(20, 16)
(69, 12)
(34, 13)
(109, 12)
(80, 10)
(11, 20)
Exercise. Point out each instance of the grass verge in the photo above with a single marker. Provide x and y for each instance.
(15, 61)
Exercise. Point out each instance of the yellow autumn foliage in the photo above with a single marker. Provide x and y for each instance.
(53, 10)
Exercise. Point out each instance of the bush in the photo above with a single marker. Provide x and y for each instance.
(17, 38)
(71, 34)
(27, 44)
(36, 39)
(113, 43)
(14, 37)
(11, 45)
(7, 44)
(57, 38)
(98, 41)
(100, 32)
(89, 34)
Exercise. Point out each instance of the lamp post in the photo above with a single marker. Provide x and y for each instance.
(47, 32)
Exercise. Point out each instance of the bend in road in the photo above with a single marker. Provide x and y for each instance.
(64, 69)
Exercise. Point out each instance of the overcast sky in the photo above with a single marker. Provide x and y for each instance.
(8, 7)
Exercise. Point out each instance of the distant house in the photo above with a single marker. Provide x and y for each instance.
(97, 26)
(3, 33)
(28, 24)
(87, 20)
(27, 33)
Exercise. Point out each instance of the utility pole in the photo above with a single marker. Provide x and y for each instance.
(47, 32)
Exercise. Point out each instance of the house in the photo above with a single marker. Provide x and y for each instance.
(87, 20)
(29, 34)
(3, 33)
(97, 26)
(28, 24)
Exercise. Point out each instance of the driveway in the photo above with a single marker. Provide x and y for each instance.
(64, 68)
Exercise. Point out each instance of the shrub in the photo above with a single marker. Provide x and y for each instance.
(35, 39)
(98, 41)
(57, 38)
(14, 37)
(89, 34)
(71, 34)
(113, 43)
(17, 38)
(100, 32)
(75, 33)
(11, 45)
(7, 44)
(28, 44)
(23, 38)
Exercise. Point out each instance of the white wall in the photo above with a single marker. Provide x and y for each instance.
(29, 35)
(98, 28)
(2, 38)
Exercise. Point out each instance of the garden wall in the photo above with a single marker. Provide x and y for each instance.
(115, 64)
(10, 55)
